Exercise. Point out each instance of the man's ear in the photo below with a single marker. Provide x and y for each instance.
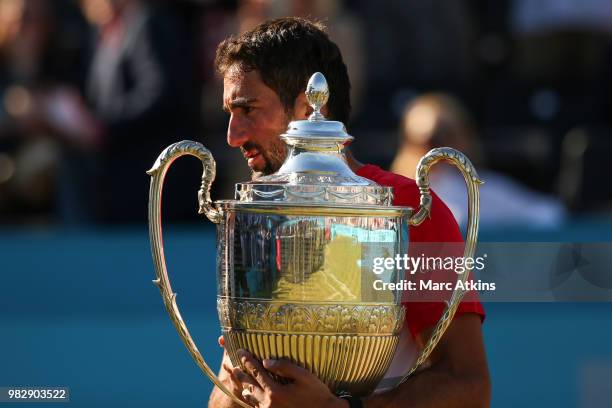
(302, 110)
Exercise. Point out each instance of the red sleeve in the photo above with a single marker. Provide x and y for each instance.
(439, 227)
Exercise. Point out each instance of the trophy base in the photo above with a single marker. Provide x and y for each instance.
(352, 363)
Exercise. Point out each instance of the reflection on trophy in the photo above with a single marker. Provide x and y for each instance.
(292, 281)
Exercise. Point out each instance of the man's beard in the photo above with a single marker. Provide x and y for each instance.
(273, 155)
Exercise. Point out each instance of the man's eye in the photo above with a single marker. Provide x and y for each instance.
(247, 109)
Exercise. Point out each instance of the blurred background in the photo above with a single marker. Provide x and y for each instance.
(92, 90)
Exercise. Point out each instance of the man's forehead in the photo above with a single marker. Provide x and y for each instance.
(238, 83)
(237, 72)
(238, 77)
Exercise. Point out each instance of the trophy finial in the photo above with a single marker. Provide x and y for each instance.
(317, 94)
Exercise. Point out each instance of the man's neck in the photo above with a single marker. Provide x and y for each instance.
(353, 163)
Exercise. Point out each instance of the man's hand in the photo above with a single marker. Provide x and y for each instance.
(218, 399)
(261, 390)
(258, 388)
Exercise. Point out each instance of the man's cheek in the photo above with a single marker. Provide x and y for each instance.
(275, 157)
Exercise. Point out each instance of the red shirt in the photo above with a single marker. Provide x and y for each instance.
(439, 227)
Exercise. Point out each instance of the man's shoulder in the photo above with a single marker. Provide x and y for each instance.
(405, 190)
(375, 173)
(439, 227)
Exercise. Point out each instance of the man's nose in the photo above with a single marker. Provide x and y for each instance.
(236, 132)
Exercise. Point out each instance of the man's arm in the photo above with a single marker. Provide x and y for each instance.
(458, 375)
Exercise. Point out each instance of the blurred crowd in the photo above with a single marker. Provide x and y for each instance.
(92, 90)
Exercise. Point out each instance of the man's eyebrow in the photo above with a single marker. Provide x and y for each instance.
(238, 103)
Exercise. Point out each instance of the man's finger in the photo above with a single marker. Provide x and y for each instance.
(243, 377)
(250, 390)
(241, 381)
(287, 369)
(253, 397)
(229, 368)
(256, 370)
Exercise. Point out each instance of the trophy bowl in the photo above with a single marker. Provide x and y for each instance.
(290, 285)
(293, 278)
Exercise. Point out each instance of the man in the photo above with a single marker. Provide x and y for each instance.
(265, 72)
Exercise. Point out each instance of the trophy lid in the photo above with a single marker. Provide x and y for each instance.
(316, 169)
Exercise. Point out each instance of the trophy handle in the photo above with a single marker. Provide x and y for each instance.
(473, 182)
(158, 174)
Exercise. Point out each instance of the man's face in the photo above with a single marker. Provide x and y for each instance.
(257, 118)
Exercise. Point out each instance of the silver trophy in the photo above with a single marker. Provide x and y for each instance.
(290, 253)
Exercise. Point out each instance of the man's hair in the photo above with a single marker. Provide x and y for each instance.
(286, 52)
